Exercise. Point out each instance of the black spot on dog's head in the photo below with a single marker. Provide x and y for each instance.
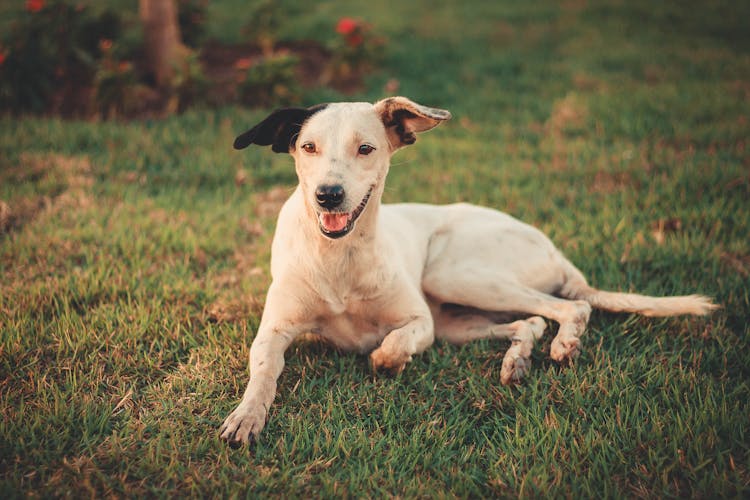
(279, 130)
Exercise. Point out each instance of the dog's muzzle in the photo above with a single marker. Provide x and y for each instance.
(337, 224)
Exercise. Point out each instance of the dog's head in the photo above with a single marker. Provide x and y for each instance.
(342, 151)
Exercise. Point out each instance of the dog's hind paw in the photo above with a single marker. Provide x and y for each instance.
(517, 360)
(538, 325)
(565, 350)
(514, 368)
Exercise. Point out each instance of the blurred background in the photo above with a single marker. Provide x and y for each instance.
(123, 58)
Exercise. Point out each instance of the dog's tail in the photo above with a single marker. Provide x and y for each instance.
(577, 288)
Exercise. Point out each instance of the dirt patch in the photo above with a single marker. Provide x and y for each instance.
(663, 227)
(232, 304)
(64, 182)
(738, 262)
(269, 203)
(586, 82)
(21, 211)
(231, 310)
(610, 182)
(568, 114)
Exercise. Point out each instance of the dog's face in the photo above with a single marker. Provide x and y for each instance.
(342, 155)
(342, 152)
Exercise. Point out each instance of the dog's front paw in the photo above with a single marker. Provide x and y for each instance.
(381, 360)
(243, 425)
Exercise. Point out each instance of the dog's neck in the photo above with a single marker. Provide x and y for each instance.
(348, 266)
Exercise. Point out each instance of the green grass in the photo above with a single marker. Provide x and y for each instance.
(133, 279)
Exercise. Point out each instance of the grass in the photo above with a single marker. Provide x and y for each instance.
(136, 261)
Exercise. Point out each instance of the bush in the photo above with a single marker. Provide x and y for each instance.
(72, 60)
(115, 84)
(271, 81)
(50, 44)
(190, 83)
(356, 51)
(191, 16)
(265, 17)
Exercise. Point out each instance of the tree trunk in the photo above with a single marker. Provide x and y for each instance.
(164, 49)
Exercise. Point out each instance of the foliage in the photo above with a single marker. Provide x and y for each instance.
(189, 83)
(271, 81)
(192, 18)
(115, 84)
(356, 51)
(52, 62)
(264, 20)
(51, 43)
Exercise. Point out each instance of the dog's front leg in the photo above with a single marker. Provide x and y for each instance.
(402, 343)
(276, 332)
(266, 362)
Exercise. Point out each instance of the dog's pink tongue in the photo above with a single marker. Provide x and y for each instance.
(334, 222)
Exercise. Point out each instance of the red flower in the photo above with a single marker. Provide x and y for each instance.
(2, 58)
(105, 44)
(346, 26)
(354, 40)
(243, 63)
(34, 5)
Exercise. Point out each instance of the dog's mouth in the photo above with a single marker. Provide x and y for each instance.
(337, 224)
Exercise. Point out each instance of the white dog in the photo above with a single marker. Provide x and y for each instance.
(389, 279)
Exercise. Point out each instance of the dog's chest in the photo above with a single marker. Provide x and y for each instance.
(350, 298)
(353, 324)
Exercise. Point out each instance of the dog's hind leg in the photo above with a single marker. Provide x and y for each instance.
(489, 292)
(463, 328)
(517, 360)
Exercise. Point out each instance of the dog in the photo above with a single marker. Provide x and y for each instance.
(390, 279)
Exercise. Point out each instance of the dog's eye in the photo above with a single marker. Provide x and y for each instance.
(308, 147)
(365, 149)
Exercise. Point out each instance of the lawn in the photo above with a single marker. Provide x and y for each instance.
(134, 262)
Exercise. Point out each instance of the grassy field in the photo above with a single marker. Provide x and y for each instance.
(134, 263)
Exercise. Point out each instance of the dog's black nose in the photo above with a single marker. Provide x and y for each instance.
(330, 196)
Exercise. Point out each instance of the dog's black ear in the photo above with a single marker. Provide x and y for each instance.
(279, 130)
(403, 119)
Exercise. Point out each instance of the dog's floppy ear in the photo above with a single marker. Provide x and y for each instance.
(404, 118)
(279, 130)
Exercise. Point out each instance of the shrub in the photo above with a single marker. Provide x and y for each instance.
(190, 83)
(265, 17)
(191, 16)
(356, 52)
(51, 43)
(271, 81)
(115, 84)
